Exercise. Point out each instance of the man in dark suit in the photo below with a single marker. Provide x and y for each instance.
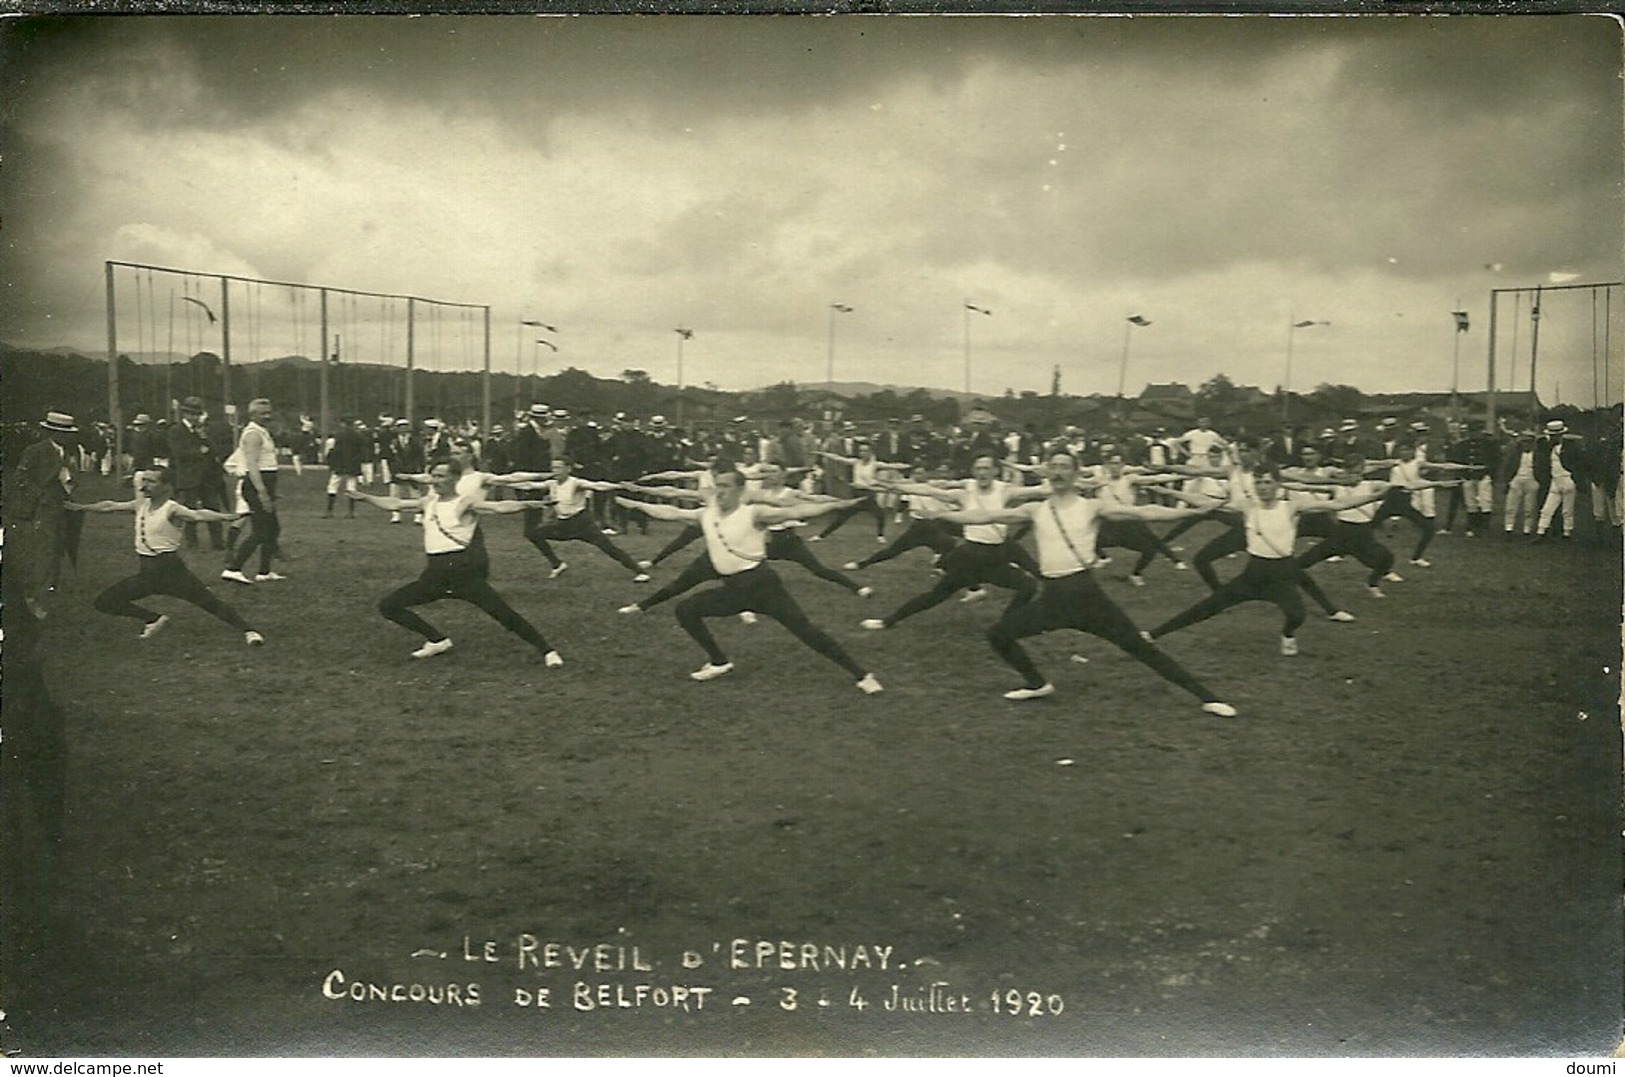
(40, 529)
(1560, 471)
(894, 443)
(198, 477)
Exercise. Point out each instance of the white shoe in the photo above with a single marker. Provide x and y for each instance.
(557, 572)
(1340, 615)
(152, 628)
(394, 517)
(881, 539)
(865, 592)
(1136, 579)
(709, 672)
(974, 595)
(1394, 577)
(1181, 566)
(253, 639)
(873, 624)
(1420, 563)
(642, 577)
(815, 538)
(1442, 531)
(748, 618)
(1081, 659)
(609, 531)
(633, 608)
(552, 660)
(267, 577)
(1148, 637)
(1031, 693)
(431, 648)
(1375, 592)
(646, 565)
(869, 686)
(1103, 560)
(235, 577)
(1223, 710)
(1289, 646)
(417, 517)
(851, 566)
(1334, 559)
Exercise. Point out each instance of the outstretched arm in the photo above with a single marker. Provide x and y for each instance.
(668, 476)
(100, 506)
(783, 514)
(1338, 504)
(838, 456)
(1111, 510)
(510, 478)
(658, 511)
(501, 508)
(206, 516)
(674, 493)
(392, 504)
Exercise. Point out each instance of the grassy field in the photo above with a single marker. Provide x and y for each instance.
(1407, 843)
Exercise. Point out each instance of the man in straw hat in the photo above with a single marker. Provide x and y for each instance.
(199, 480)
(1559, 459)
(40, 530)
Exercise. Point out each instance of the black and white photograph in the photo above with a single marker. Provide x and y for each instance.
(791, 536)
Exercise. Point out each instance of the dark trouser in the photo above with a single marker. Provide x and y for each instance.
(760, 591)
(265, 528)
(789, 546)
(460, 574)
(967, 565)
(868, 504)
(688, 534)
(1133, 535)
(1358, 541)
(1232, 540)
(920, 533)
(1076, 601)
(1398, 503)
(1265, 579)
(202, 497)
(1453, 499)
(163, 574)
(577, 528)
(692, 576)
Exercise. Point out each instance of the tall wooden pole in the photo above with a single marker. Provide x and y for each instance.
(115, 414)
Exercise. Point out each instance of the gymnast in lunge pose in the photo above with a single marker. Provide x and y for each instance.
(572, 520)
(736, 545)
(868, 482)
(1115, 482)
(158, 536)
(1269, 522)
(1065, 524)
(987, 554)
(457, 565)
(783, 544)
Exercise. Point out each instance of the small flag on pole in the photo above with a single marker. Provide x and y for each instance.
(979, 310)
(1137, 320)
(1461, 320)
(201, 303)
(842, 307)
(686, 334)
(1304, 324)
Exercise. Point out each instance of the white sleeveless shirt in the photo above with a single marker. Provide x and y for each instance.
(1271, 529)
(156, 531)
(265, 460)
(1066, 535)
(448, 526)
(733, 541)
(991, 500)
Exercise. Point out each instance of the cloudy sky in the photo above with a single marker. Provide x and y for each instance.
(621, 177)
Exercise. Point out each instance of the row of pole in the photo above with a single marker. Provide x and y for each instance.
(115, 410)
